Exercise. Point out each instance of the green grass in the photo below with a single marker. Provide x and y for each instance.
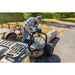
(49, 20)
(54, 20)
(70, 19)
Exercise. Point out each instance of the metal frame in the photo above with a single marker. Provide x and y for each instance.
(16, 27)
(31, 41)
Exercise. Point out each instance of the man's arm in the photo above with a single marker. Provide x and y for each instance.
(27, 24)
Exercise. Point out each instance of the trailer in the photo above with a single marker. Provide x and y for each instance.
(10, 31)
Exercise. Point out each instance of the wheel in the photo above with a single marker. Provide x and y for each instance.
(11, 37)
(49, 49)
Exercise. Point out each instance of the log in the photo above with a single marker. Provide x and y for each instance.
(50, 36)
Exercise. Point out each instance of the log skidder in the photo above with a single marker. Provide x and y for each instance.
(40, 46)
(49, 49)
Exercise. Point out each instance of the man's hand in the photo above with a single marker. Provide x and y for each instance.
(30, 33)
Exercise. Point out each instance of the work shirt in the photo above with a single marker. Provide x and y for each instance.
(31, 23)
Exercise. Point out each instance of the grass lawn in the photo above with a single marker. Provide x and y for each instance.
(49, 20)
(72, 19)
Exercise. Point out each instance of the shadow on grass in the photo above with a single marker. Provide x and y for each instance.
(69, 21)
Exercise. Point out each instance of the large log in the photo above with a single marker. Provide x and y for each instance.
(50, 36)
(37, 45)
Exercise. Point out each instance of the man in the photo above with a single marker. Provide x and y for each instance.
(31, 22)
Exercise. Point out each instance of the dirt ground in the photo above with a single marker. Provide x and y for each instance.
(60, 27)
(65, 48)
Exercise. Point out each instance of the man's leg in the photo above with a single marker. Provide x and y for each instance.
(32, 37)
(25, 35)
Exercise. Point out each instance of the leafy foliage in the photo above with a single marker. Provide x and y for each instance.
(31, 14)
(11, 17)
(56, 15)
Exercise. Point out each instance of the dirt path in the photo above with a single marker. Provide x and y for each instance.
(65, 47)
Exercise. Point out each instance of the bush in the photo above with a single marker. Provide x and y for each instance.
(62, 15)
(11, 17)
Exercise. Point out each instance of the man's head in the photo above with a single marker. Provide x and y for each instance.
(38, 19)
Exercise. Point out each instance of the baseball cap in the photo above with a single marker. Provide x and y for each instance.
(40, 18)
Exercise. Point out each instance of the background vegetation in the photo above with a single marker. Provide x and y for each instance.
(11, 17)
(18, 17)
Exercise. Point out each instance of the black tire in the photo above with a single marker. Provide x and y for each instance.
(49, 49)
(11, 37)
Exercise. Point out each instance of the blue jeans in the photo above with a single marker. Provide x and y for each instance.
(25, 35)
